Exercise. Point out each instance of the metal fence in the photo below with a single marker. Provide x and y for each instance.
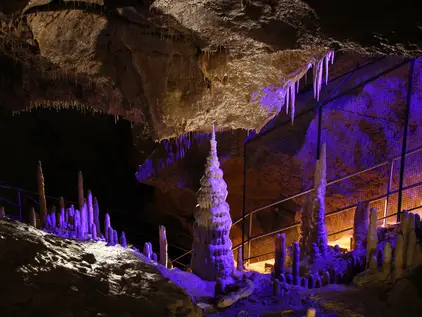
(383, 98)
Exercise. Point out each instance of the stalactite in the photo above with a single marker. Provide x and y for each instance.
(280, 254)
(163, 246)
(41, 194)
(81, 199)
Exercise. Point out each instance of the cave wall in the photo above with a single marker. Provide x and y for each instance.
(362, 128)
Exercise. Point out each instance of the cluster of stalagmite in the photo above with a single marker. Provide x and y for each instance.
(388, 260)
(84, 223)
(212, 257)
(313, 233)
(292, 276)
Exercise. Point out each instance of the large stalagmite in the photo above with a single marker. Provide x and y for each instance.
(212, 257)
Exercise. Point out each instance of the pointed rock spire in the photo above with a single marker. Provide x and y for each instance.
(212, 257)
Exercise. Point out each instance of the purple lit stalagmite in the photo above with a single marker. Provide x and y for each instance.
(212, 257)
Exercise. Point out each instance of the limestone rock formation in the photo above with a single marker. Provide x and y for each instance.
(360, 226)
(319, 231)
(212, 257)
(372, 237)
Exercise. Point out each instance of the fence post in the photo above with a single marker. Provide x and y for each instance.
(244, 201)
(404, 144)
(390, 179)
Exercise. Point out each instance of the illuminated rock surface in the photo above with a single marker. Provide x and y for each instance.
(46, 275)
(212, 257)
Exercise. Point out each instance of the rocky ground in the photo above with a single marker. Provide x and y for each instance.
(44, 275)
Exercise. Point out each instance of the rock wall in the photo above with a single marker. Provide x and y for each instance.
(361, 129)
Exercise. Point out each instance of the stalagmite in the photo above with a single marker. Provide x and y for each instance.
(90, 210)
(79, 233)
(360, 226)
(319, 231)
(398, 257)
(404, 224)
(2, 212)
(326, 278)
(280, 254)
(417, 222)
(289, 278)
(372, 238)
(62, 213)
(212, 257)
(417, 256)
(318, 283)
(110, 234)
(96, 215)
(81, 199)
(53, 217)
(411, 221)
(41, 196)
(387, 261)
(154, 257)
(296, 263)
(311, 280)
(147, 250)
(373, 261)
(107, 225)
(93, 232)
(240, 267)
(77, 219)
(311, 312)
(115, 237)
(32, 217)
(305, 223)
(84, 218)
(276, 287)
(163, 245)
(410, 249)
(304, 282)
(123, 241)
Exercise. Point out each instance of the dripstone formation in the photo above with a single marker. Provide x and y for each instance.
(212, 257)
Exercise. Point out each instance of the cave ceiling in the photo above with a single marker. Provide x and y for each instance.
(178, 66)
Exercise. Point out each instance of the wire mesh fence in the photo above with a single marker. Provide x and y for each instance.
(369, 120)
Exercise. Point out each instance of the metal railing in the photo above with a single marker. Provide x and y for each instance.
(385, 197)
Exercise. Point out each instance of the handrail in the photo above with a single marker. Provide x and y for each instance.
(410, 152)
